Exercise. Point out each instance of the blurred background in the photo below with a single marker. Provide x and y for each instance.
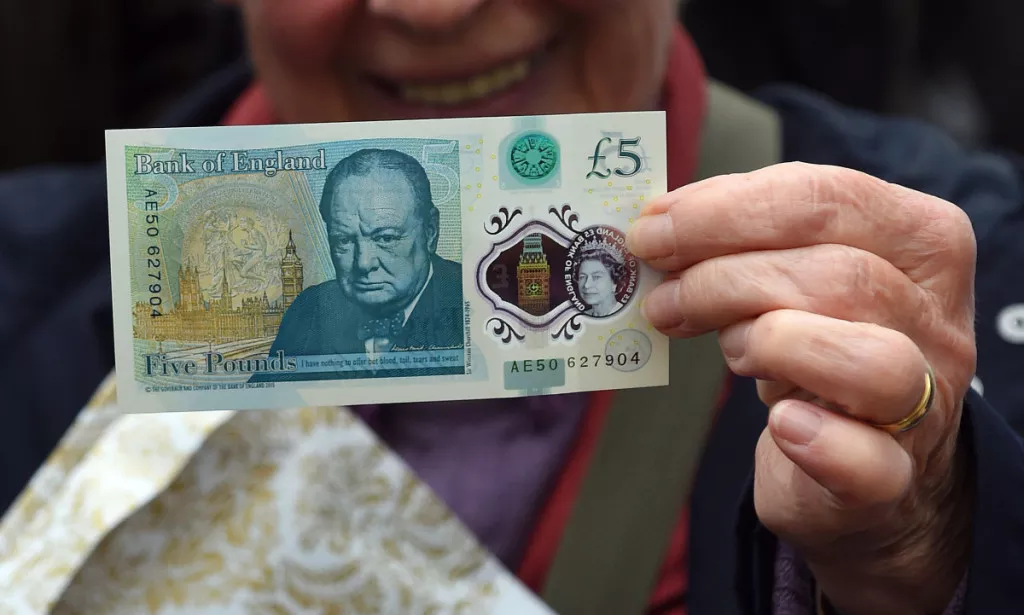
(70, 69)
(957, 63)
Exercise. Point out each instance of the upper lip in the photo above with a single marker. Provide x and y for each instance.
(437, 75)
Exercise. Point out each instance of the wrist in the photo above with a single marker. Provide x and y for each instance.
(918, 570)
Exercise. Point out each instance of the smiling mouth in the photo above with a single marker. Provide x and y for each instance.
(454, 92)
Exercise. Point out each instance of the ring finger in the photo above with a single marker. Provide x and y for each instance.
(870, 372)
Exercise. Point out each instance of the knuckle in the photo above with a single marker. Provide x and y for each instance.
(901, 372)
(882, 361)
(700, 288)
(821, 188)
(950, 223)
(857, 272)
(769, 333)
(685, 302)
(960, 230)
(811, 186)
(682, 296)
(671, 204)
(770, 339)
(850, 280)
(909, 364)
(841, 185)
(945, 232)
(688, 288)
(886, 373)
(852, 284)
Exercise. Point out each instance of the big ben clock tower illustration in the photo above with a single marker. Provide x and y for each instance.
(534, 277)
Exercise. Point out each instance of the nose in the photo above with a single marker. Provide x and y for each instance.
(426, 14)
(366, 256)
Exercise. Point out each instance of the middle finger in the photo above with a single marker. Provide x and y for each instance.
(831, 280)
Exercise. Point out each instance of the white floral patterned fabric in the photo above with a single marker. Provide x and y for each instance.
(300, 511)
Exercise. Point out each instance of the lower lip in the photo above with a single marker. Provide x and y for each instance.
(368, 287)
(518, 99)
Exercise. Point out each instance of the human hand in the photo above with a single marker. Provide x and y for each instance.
(837, 291)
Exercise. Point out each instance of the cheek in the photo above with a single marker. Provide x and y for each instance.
(341, 261)
(625, 49)
(302, 33)
(396, 257)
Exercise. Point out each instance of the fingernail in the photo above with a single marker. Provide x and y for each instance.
(661, 306)
(658, 206)
(795, 422)
(733, 340)
(652, 237)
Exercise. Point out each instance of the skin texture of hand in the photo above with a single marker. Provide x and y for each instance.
(836, 291)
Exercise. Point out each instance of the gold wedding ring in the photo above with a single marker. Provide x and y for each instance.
(920, 410)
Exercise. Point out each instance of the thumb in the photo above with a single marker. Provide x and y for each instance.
(821, 476)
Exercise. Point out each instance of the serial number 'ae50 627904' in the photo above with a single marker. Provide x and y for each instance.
(621, 359)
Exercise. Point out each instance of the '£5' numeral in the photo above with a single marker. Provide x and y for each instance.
(632, 167)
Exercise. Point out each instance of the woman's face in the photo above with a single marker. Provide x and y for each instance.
(595, 282)
(337, 60)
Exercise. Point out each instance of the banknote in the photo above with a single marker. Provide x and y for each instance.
(354, 263)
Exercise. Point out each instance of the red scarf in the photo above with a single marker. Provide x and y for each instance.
(684, 102)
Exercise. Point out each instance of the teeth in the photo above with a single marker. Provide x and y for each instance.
(475, 88)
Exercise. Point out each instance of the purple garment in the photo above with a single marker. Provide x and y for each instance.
(493, 462)
(793, 592)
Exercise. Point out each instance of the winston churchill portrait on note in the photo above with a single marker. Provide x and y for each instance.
(395, 307)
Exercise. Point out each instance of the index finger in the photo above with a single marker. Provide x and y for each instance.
(797, 205)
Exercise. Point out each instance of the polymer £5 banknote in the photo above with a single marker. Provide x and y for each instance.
(354, 263)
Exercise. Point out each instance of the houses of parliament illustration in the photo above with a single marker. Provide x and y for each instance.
(534, 276)
(217, 320)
